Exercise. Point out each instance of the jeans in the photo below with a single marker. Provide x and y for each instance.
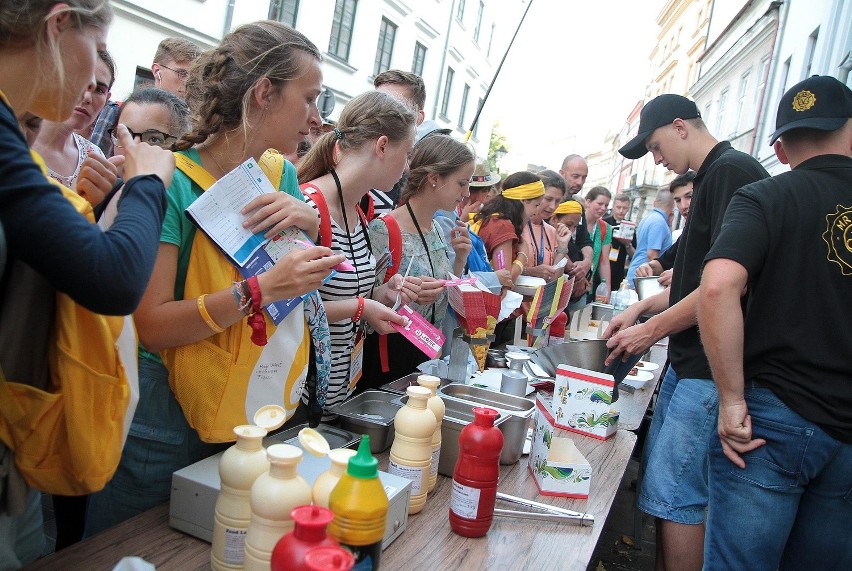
(160, 442)
(22, 538)
(674, 487)
(791, 507)
(667, 389)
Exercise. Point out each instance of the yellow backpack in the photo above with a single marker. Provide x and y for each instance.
(221, 381)
(67, 439)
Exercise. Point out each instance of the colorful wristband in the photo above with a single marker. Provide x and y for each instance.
(359, 312)
(202, 309)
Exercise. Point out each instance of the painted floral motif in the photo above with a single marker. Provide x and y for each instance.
(318, 326)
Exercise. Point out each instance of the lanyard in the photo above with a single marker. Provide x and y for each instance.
(349, 237)
(539, 249)
(425, 247)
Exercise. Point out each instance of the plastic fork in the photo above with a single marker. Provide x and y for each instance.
(398, 301)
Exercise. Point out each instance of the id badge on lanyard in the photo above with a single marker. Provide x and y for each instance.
(613, 254)
(356, 360)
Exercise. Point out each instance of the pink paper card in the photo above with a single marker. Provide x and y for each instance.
(420, 332)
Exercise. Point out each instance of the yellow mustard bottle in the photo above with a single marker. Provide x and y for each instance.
(360, 507)
(436, 405)
(239, 467)
(273, 496)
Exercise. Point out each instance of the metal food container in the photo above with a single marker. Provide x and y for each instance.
(589, 354)
(458, 414)
(518, 411)
(399, 386)
(648, 286)
(372, 413)
(336, 437)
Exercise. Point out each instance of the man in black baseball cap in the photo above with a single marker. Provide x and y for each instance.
(820, 102)
(785, 393)
(674, 489)
(660, 111)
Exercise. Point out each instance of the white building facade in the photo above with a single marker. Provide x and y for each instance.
(454, 45)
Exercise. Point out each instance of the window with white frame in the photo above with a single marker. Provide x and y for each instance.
(284, 11)
(342, 25)
(448, 87)
(478, 22)
(463, 110)
(419, 59)
(384, 50)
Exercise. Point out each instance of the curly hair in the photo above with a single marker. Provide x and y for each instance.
(364, 119)
(438, 154)
(221, 81)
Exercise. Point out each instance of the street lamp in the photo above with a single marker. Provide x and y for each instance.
(499, 155)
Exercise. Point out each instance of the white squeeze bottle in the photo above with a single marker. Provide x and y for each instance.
(273, 496)
(326, 481)
(411, 451)
(239, 467)
(436, 405)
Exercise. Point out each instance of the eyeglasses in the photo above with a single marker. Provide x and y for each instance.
(150, 137)
(181, 73)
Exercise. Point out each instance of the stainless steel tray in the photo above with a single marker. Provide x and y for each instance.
(400, 385)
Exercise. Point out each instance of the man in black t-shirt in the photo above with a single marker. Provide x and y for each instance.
(674, 488)
(781, 469)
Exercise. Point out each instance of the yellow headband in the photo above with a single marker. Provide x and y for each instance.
(525, 191)
(570, 206)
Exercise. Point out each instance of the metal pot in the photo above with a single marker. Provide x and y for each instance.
(647, 286)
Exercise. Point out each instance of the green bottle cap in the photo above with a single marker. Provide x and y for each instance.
(363, 465)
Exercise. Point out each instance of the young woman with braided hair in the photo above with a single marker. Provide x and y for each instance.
(256, 91)
(367, 150)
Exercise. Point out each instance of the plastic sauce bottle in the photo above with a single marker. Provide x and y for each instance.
(476, 474)
(326, 481)
(273, 497)
(360, 507)
(309, 531)
(239, 467)
(411, 451)
(602, 292)
(327, 558)
(436, 405)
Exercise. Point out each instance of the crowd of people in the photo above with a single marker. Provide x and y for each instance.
(92, 205)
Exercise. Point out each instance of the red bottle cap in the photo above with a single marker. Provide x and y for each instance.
(484, 416)
(329, 558)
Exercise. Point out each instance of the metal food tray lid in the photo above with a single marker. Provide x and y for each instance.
(336, 437)
(360, 407)
(508, 405)
(400, 385)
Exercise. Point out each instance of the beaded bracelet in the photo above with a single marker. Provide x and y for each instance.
(242, 299)
(524, 254)
(205, 315)
(359, 313)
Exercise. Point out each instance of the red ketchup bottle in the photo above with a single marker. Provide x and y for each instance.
(476, 474)
(309, 531)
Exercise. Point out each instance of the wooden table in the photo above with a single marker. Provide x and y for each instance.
(427, 543)
(632, 406)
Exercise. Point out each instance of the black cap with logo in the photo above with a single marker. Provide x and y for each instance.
(659, 111)
(820, 102)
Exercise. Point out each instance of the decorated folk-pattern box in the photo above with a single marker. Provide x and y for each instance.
(582, 402)
(559, 469)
